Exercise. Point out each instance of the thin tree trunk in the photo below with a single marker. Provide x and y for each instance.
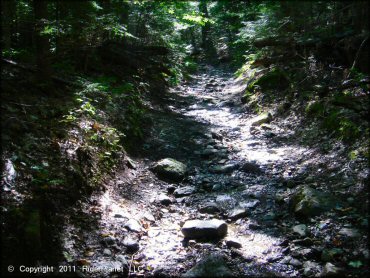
(42, 42)
(6, 25)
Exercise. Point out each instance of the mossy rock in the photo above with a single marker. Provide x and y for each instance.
(274, 79)
(309, 202)
(315, 108)
(170, 169)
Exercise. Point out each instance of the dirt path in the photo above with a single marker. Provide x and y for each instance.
(127, 225)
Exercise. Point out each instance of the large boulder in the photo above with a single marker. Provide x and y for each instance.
(210, 266)
(170, 169)
(206, 229)
(308, 202)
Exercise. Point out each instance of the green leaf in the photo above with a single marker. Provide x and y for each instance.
(355, 264)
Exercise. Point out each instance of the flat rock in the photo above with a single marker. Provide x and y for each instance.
(223, 169)
(249, 204)
(261, 119)
(170, 169)
(210, 208)
(133, 225)
(300, 229)
(209, 229)
(210, 266)
(184, 191)
(233, 243)
(237, 213)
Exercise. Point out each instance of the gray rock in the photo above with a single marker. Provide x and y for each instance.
(170, 169)
(348, 232)
(122, 260)
(300, 229)
(210, 266)
(184, 191)
(130, 163)
(210, 208)
(237, 213)
(251, 167)
(308, 202)
(209, 229)
(107, 252)
(133, 225)
(109, 240)
(223, 169)
(295, 262)
(261, 119)
(332, 270)
(131, 245)
(233, 243)
(217, 187)
(249, 204)
(164, 199)
(312, 269)
(225, 202)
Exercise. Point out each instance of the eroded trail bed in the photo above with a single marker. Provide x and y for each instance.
(238, 171)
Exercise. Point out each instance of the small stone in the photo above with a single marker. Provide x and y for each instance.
(304, 242)
(164, 199)
(217, 187)
(131, 245)
(107, 252)
(184, 191)
(311, 269)
(214, 228)
(130, 163)
(250, 204)
(133, 225)
(210, 208)
(295, 262)
(237, 213)
(332, 270)
(233, 243)
(300, 229)
(223, 169)
(109, 240)
(122, 260)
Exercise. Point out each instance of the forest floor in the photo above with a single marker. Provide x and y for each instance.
(244, 173)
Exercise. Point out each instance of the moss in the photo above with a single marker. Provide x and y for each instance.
(274, 79)
(315, 108)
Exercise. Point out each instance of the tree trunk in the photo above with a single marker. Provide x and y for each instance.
(42, 42)
(6, 24)
(206, 43)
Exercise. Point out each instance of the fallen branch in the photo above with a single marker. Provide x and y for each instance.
(34, 69)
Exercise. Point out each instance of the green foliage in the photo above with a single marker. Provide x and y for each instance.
(315, 108)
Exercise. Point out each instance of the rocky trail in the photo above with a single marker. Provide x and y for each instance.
(228, 169)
